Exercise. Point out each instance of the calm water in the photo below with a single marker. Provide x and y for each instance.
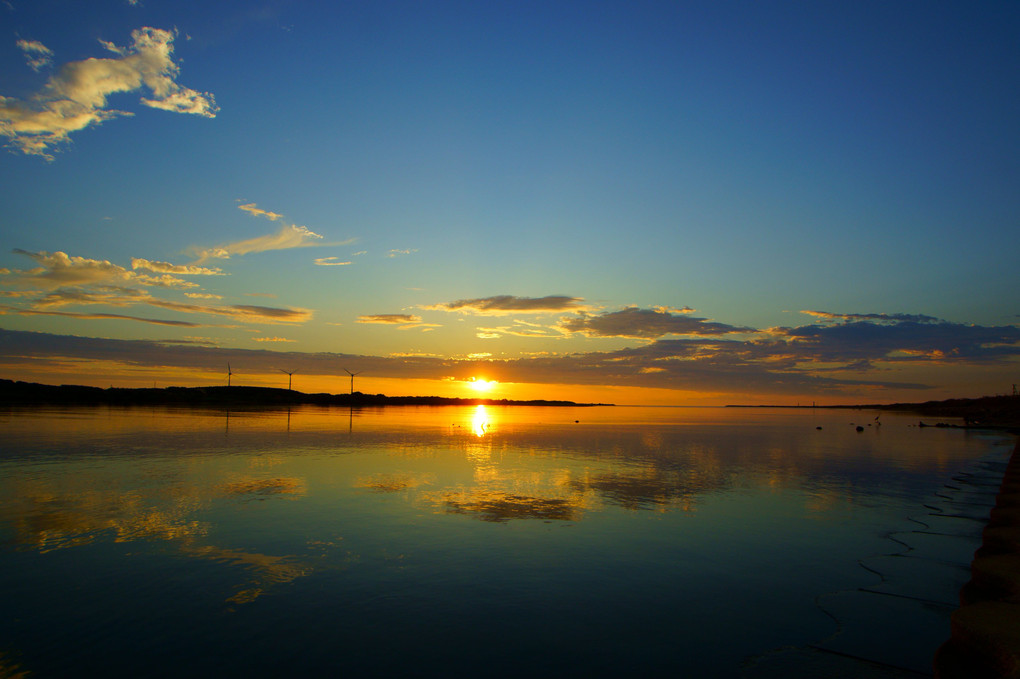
(445, 541)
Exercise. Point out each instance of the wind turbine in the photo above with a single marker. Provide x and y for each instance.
(228, 374)
(290, 377)
(352, 378)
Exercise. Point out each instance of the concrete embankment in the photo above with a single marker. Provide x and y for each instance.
(985, 636)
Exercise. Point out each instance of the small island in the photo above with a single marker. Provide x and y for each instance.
(31, 393)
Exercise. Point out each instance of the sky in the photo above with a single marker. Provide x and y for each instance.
(672, 203)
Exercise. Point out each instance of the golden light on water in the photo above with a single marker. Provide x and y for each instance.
(480, 421)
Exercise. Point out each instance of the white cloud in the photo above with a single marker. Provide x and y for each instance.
(76, 96)
(330, 261)
(38, 54)
(397, 253)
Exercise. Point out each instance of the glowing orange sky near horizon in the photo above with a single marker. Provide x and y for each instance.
(114, 374)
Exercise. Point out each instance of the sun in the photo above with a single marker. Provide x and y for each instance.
(481, 385)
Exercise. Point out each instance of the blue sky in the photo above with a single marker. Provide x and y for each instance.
(637, 196)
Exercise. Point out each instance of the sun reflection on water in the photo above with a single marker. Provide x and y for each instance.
(480, 421)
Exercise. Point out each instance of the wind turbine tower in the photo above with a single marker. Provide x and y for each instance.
(229, 373)
(290, 377)
(352, 378)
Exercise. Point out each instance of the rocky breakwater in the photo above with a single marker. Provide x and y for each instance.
(985, 630)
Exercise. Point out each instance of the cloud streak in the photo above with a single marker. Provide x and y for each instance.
(255, 211)
(76, 97)
(503, 305)
(89, 316)
(179, 269)
(638, 323)
(403, 321)
(289, 236)
(244, 312)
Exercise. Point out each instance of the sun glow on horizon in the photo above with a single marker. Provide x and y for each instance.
(482, 385)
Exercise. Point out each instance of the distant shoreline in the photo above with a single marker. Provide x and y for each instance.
(995, 412)
(32, 393)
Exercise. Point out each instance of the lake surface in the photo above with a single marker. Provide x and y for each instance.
(453, 541)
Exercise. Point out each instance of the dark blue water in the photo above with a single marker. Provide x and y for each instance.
(444, 541)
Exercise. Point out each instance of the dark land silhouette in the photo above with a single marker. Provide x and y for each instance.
(29, 393)
(997, 412)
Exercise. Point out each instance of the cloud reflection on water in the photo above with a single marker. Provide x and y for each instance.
(500, 507)
(181, 480)
(77, 510)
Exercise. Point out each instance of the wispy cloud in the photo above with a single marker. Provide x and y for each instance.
(403, 321)
(76, 96)
(38, 55)
(180, 269)
(272, 339)
(330, 261)
(878, 318)
(93, 316)
(398, 253)
(646, 324)
(289, 236)
(389, 319)
(243, 312)
(520, 328)
(503, 305)
(106, 296)
(255, 211)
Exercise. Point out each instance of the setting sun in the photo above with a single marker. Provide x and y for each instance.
(481, 385)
